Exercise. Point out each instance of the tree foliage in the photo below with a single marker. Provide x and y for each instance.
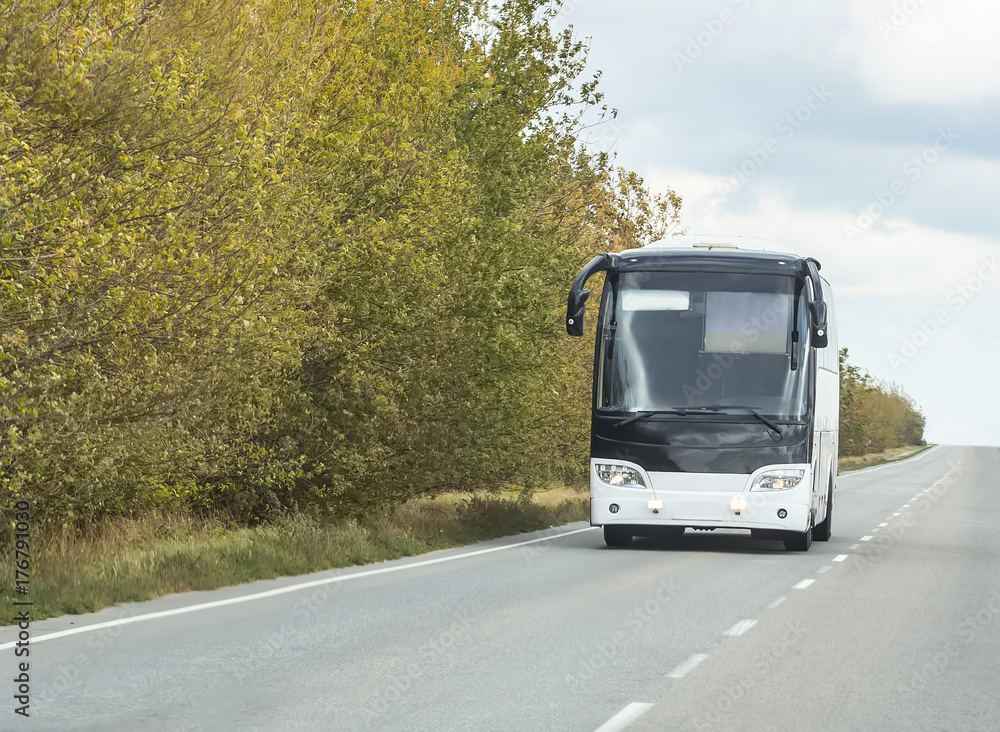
(875, 416)
(257, 254)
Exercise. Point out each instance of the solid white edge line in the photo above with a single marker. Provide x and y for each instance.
(625, 717)
(865, 470)
(688, 666)
(803, 584)
(741, 627)
(840, 558)
(886, 465)
(925, 452)
(288, 589)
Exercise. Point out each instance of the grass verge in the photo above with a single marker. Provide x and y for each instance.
(857, 462)
(142, 558)
(137, 559)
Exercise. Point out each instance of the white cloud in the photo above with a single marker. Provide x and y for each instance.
(895, 89)
(889, 284)
(925, 51)
(893, 257)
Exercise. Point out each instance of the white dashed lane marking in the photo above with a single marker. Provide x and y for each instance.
(625, 717)
(741, 627)
(688, 666)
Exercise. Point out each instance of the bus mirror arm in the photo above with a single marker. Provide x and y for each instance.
(577, 304)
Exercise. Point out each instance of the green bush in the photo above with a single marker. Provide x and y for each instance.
(265, 255)
(874, 416)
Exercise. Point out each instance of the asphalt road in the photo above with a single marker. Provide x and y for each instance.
(899, 630)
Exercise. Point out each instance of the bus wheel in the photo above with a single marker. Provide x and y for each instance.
(822, 531)
(617, 536)
(800, 542)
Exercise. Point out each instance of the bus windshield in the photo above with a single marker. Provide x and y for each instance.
(673, 341)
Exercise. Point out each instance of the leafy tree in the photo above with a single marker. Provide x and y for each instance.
(874, 416)
(260, 255)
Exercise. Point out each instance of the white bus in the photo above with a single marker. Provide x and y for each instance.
(716, 391)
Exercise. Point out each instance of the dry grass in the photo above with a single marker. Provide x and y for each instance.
(847, 464)
(146, 557)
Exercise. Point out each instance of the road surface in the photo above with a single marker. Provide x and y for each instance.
(893, 624)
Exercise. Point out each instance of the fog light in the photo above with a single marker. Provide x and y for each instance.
(739, 503)
(782, 513)
(613, 508)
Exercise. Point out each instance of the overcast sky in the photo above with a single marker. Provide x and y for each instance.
(865, 133)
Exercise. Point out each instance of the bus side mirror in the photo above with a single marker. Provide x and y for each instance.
(817, 307)
(577, 304)
(820, 337)
(575, 310)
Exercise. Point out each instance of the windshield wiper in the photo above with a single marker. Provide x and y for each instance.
(751, 410)
(643, 415)
(683, 411)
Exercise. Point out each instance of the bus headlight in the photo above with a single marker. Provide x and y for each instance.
(619, 475)
(777, 480)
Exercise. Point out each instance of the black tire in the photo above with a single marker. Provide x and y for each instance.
(617, 536)
(800, 542)
(823, 531)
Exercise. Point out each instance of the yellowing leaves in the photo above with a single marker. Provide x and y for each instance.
(281, 247)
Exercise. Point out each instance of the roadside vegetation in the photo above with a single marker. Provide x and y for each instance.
(264, 256)
(875, 417)
(274, 274)
(143, 557)
(858, 462)
(277, 279)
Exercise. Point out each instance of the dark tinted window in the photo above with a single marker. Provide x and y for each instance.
(686, 340)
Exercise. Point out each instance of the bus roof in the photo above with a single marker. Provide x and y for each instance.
(701, 253)
(695, 242)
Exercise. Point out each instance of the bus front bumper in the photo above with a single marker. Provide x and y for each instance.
(703, 500)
